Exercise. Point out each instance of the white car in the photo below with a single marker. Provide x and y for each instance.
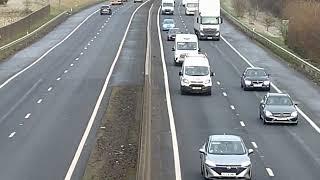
(195, 75)
(185, 44)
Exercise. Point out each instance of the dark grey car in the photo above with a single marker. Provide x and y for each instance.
(105, 9)
(255, 78)
(172, 34)
(278, 108)
(225, 156)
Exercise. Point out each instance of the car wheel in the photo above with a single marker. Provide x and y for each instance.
(182, 92)
(245, 88)
(209, 93)
(241, 85)
(265, 122)
(268, 89)
(201, 169)
(295, 123)
(175, 63)
(260, 116)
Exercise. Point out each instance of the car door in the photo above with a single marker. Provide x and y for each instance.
(242, 77)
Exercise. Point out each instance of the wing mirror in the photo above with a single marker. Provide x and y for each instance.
(296, 103)
(250, 151)
(202, 150)
(212, 74)
(173, 49)
(199, 50)
(180, 73)
(269, 75)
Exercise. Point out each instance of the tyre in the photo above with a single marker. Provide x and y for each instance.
(268, 89)
(209, 93)
(245, 88)
(265, 122)
(295, 123)
(176, 64)
(182, 92)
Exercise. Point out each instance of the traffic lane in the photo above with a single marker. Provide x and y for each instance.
(304, 136)
(199, 116)
(246, 104)
(162, 159)
(72, 101)
(52, 63)
(285, 77)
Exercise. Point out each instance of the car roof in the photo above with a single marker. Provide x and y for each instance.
(278, 94)
(186, 38)
(195, 61)
(224, 138)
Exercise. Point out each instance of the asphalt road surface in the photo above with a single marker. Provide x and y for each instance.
(281, 151)
(45, 109)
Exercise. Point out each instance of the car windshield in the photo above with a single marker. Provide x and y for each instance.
(168, 21)
(226, 148)
(105, 7)
(192, 5)
(168, 4)
(196, 70)
(209, 20)
(279, 100)
(255, 72)
(187, 46)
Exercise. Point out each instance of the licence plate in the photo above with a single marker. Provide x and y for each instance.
(257, 85)
(196, 87)
(282, 119)
(228, 174)
(210, 37)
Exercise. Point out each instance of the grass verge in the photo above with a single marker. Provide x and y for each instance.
(115, 153)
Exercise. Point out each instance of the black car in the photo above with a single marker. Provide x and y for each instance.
(105, 9)
(278, 108)
(255, 78)
(172, 34)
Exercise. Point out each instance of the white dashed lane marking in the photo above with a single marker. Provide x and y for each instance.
(65, 71)
(58, 79)
(224, 94)
(232, 107)
(254, 145)
(218, 82)
(85, 48)
(270, 172)
(71, 65)
(81, 53)
(12, 134)
(77, 59)
(39, 101)
(27, 116)
(50, 88)
(242, 124)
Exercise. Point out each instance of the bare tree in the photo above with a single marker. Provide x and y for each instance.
(268, 21)
(240, 7)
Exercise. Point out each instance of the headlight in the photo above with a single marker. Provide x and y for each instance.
(207, 81)
(201, 28)
(210, 163)
(294, 114)
(247, 82)
(217, 33)
(185, 81)
(268, 113)
(246, 164)
(266, 83)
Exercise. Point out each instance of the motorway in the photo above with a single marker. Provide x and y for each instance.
(54, 91)
(281, 152)
(45, 106)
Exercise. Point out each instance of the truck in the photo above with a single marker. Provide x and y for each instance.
(207, 20)
(167, 7)
(191, 7)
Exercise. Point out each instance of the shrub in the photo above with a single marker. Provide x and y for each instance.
(240, 7)
(3, 2)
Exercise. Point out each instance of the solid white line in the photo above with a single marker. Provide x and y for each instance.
(232, 107)
(242, 124)
(309, 120)
(65, 71)
(27, 116)
(224, 94)
(99, 100)
(46, 53)
(50, 88)
(254, 145)
(39, 101)
(12, 134)
(270, 172)
(169, 108)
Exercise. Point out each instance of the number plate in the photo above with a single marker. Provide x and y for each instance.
(228, 174)
(257, 85)
(196, 87)
(210, 37)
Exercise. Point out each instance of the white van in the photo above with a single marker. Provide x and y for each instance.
(191, 7)
(184, 44)
(167, 7)
(195, 75)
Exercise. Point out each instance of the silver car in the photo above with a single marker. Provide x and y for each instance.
(225, 156)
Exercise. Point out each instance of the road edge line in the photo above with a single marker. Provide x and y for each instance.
(309, 120)
(169, 107)
(76, 157)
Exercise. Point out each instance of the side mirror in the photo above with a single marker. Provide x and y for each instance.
(180, 73)
(173, 49)
(250, 151)
(199, 50)
(212, 74)
(296, 103)
(221, 20)
(261, 102)
(269, 75)
(202, 150)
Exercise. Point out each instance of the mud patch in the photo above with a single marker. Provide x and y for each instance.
(115, 153)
